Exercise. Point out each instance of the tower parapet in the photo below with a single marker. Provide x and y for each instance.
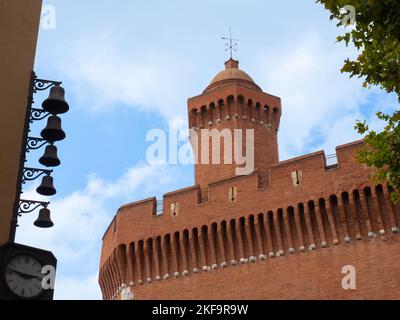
(289, 226)
(233, 101)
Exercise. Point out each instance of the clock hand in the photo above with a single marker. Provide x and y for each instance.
(25, 275)
(22, 275)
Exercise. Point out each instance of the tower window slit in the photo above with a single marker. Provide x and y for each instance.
(303, 224)
(211, 114)
(382, 207)
(123, 261)
(135, 271)
(225, 244)
(258, 113)
(325, 221)
(292, 228)
(314, 222)
(233, 234)
(262, 233)
(178, 252)
(347, 211)
(242, 223)
(215, 243)
(359, 213)
(150, 253)
(372, 214)
(168, 250)
(253, 236)
(196, 245)
(204, 239)
(272, 231)
(142, 266)
(159, 256)
(333, 201)
(282, 231)
(186, 248)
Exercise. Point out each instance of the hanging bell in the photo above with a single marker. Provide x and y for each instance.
(44, 220)
(53, 131)
(47, 187)
(50, 158)
(55, 103)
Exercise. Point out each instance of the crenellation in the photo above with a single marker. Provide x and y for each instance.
(193, 197)
(306, 213)
(209, 117)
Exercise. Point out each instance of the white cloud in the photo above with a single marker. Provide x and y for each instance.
(75, 288)
(304, 72)
(340, 132)
(103, 78)
(316, 97)
(81, 219)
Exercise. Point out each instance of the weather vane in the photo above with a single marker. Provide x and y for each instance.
(231, 43)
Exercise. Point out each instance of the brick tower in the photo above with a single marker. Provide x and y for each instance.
(286, 229)
(234, 101)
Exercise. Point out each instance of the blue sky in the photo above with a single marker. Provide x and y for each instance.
(129, 67)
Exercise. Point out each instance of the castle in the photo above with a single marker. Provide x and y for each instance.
(285, 231)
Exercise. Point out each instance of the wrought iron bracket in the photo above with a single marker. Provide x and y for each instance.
(35, 143)
(37, 115)
(43, 84)
(30, 174)
(28, 206)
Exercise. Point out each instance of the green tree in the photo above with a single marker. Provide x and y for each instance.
(376, 34)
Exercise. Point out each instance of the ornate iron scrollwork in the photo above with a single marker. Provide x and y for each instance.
(38, 114)
(42, 84)
(28, 206)
(31, 174)
(35, 143)
(29, 143)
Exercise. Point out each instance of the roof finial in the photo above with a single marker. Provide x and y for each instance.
(231, 43)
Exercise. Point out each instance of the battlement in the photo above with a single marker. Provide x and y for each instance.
(300, 204)
(309, 165)
(157, 208)
(307, 213)
(210, 110)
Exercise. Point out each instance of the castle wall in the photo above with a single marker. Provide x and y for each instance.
(287, 235)
(312, 275)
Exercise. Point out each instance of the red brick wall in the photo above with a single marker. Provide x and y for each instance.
(140, 249)
(311, 275)
(288, 232)
(248, 109)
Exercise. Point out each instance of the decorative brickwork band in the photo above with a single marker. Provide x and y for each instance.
(240, 241)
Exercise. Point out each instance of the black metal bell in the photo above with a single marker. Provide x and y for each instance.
(47, 187)
(50, 158)
(44, 220)
(55, 103)
(53, 131)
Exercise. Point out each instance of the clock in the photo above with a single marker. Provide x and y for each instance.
(21, 276)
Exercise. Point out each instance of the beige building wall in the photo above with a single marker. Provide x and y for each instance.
(19, 25)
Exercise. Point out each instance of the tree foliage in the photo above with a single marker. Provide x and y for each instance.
(376, 34)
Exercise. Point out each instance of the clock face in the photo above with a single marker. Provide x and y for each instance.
(23, 275)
